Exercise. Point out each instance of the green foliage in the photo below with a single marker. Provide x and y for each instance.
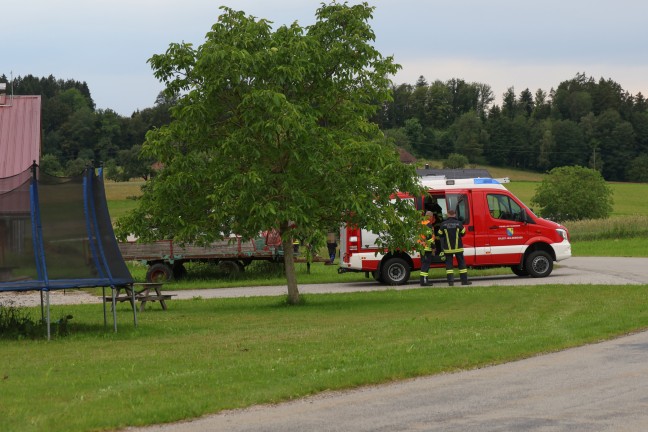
(51, 165)
(638, 169)
(585, 122)
(573, 193)
(130, 164)
(469, 136)
(73, 129)
(455, 161)
(272, 132)
(75, 167)
(18, 323)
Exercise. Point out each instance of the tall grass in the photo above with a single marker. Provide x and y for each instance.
(621, 247)
(611, 228)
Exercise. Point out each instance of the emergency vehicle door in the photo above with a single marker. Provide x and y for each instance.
(507, 229)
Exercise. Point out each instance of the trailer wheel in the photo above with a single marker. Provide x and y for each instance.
(519, 271)
(539, 264)
(159, 272)
(230, 268)
(395, 272)
(179, 271)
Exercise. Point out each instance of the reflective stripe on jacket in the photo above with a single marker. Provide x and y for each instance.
(450, 231)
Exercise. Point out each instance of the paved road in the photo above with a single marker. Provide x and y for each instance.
(599, 387)
(581, 270)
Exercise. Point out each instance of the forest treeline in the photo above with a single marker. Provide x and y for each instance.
(582, 121)
(75, 134)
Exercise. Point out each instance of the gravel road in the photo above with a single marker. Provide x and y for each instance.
(581, 270)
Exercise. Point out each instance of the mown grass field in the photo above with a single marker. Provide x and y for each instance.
(202, 356)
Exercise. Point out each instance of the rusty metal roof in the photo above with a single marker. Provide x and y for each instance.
(20, 133)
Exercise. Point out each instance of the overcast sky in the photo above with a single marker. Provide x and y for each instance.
(503, 43)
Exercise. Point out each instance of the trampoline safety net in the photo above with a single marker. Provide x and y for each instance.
(56, 233)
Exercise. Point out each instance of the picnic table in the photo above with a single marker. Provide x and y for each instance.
(142, 292)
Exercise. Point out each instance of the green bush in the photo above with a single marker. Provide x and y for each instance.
(455, 161)
(17, 323)
(573, 193)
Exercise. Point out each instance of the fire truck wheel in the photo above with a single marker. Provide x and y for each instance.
(159, 272)
(377, 276)
(539, 264)
(395, 272)
(519, 271)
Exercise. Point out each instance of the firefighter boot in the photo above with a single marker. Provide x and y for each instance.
(450, 277)
(464, 279)
(424, 281)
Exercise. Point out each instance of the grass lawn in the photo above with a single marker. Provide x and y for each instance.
(203, 356)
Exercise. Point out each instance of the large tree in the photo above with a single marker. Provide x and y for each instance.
(271, 131)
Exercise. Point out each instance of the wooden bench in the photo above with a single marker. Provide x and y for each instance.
(143, 294)
(152, 298)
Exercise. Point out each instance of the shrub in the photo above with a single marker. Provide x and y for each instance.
(455, 161)
(16, 323)
(573, 193)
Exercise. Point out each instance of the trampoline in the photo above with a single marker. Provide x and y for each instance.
(56, 233)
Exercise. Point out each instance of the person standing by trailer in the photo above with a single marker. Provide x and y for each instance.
(427, 242)
(451, 231)
(331, 246)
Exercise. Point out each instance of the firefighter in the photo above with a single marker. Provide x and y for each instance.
(427, 244)
(451, 231)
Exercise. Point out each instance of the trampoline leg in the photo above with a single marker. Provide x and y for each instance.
(134, 306)
(49, 333)
(42, 307)
(114, 309)
(103, 296)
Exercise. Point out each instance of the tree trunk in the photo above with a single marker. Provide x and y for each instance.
(289, 263)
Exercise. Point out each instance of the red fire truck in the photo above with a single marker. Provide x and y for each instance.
(500, 232)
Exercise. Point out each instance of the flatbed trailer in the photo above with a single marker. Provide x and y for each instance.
(166, 258)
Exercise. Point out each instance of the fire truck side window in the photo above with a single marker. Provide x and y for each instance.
(503, 207)
(459, 202)
(435, 205)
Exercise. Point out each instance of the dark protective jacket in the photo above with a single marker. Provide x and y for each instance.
(450, 232)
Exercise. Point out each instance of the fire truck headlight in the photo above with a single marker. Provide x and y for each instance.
(562, 233)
